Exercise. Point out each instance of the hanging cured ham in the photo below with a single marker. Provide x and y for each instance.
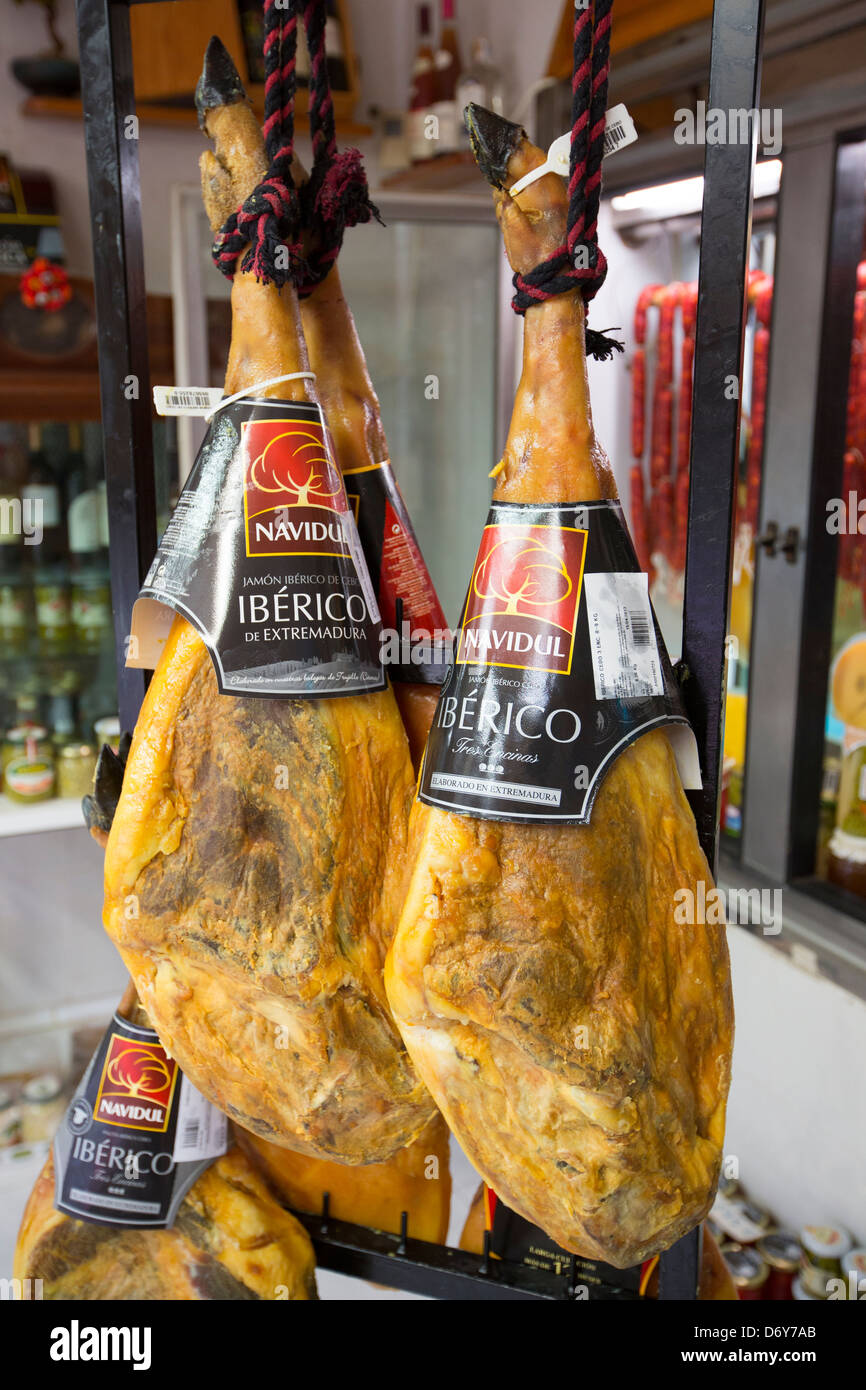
(231, 1240)
(252, 911)
(575, 1035)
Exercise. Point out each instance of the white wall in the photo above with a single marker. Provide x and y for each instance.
(797, 1112)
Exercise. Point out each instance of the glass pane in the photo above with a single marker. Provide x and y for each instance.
(432, 359)
(660, 257)
(57, 667)
(841, 856)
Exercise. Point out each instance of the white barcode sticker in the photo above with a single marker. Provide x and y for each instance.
(201, 1128)
(619, 130)
(186, 400)
(625, 658)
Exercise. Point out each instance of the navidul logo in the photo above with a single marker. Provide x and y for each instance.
(754, 907)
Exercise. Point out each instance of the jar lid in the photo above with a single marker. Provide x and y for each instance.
(855, 1262)
(77, 750)
(781, 1250)
(22, 732)
(108, 727)
(748, 1270)
(42, 1088)
(802, 1295)
(5, 1097)
(755, 1214)
(828, 1242)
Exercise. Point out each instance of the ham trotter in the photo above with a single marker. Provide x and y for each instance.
(575, 1033)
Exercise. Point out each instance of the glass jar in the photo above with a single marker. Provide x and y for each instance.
(823, 1249)
(91, 610)
(748, 1271)
(15, 742)
(31, 775)
(107, 730)
(41, 1107)
(854, 1272)
(15, 611)
(53, 609)
(76, 764)
(781, 1251)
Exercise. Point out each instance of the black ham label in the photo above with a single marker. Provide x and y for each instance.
(416, 638)
(262, 556)
(135, 1136)
(558, 666)
(514, 1238)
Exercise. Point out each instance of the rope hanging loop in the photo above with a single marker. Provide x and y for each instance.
(337, 195)
(266, 228)
(580, 261)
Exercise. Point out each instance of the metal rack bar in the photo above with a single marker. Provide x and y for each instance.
(111, 142)
(113, 176)
(726, 222)
(440, 1271)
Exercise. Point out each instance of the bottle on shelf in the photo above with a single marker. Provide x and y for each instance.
(15, 595)
(448, 69)
(423, 91)
(338, 72)
(41, 497)
(480, 82)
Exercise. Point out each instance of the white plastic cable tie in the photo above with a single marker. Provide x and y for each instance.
(205, 401)
(619, 131)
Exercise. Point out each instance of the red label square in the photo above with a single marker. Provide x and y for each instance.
(136, 1086)
(523, 598)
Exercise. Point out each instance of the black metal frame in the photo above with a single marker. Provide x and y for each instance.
(115, 202)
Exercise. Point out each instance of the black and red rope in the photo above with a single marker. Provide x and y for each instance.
(579, 261)
(337, 195)
(267, 228)
(268, 223)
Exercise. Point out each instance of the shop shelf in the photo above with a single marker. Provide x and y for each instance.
(17, 818)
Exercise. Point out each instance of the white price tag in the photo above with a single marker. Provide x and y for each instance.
(186, 400)
(619, 130)
(625, 658)
(201, 1128)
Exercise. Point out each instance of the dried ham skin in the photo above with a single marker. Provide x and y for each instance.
(231, 1240)
(252, 882)
(576, 1037)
